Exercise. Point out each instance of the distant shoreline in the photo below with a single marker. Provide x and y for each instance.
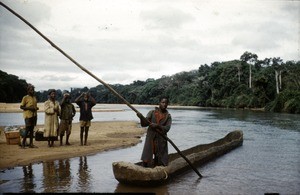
(15, 108)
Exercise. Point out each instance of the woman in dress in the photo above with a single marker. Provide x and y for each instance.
(52, 110)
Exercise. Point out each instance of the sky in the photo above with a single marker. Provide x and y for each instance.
(122, 41)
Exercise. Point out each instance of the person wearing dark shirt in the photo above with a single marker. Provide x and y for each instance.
(85, 102)
(66, 116)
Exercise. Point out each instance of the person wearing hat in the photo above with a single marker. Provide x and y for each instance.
(29, 107)
(66, 116)
(52, 111)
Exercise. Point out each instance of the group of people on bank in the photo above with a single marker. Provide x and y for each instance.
(158, 121)
(58, 116)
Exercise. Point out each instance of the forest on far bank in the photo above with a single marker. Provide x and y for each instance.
(248, 82)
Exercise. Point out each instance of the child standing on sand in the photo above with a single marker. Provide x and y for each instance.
(85, 102)
(66, 116)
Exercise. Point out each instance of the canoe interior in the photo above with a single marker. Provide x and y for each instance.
(133, 174)
(215, 149)
(234, 135)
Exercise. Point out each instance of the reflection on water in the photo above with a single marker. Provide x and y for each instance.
(83, 175)
(121, 188)
(28, 183)
(57, 174)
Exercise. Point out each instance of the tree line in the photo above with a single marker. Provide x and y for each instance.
(242, 83)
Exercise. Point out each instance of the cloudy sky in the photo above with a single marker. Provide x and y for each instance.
(121, 41)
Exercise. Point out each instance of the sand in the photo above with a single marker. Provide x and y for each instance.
(103, 136)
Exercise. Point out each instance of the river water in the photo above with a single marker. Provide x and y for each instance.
(268, 161)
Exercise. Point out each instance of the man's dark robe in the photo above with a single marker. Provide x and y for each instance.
(155, 143)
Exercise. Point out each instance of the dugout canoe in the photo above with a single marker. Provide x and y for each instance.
(135, 174)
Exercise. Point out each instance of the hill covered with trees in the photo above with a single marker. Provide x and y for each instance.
(244, 83)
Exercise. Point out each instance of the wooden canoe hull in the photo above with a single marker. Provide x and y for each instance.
(133, 174)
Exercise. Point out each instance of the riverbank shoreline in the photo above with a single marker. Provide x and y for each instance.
(103, 136)
(15, 108)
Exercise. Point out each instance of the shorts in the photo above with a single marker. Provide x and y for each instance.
(85, 123)
(65, 126)
(30, 121)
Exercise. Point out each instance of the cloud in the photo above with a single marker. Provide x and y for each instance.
(35, 12)
(126, 40)
(165, 18)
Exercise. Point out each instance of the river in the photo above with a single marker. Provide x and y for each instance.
(268, 161)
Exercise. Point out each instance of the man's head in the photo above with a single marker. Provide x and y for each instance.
(67, 97)
(86, 96)
(163, 103)
(52, 94)
(30, 89)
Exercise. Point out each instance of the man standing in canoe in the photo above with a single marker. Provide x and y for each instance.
(160, 120)
(29, 107)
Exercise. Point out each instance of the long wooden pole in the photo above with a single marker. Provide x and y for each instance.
(95, 77)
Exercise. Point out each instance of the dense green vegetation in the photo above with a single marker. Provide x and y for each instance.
(244, 83)
(12, 89)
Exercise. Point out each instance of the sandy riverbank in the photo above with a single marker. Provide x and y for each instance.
(102, 136)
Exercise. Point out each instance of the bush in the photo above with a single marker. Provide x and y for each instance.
(242, 101)
(286, 101)
(292, 106)
(229, 102)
